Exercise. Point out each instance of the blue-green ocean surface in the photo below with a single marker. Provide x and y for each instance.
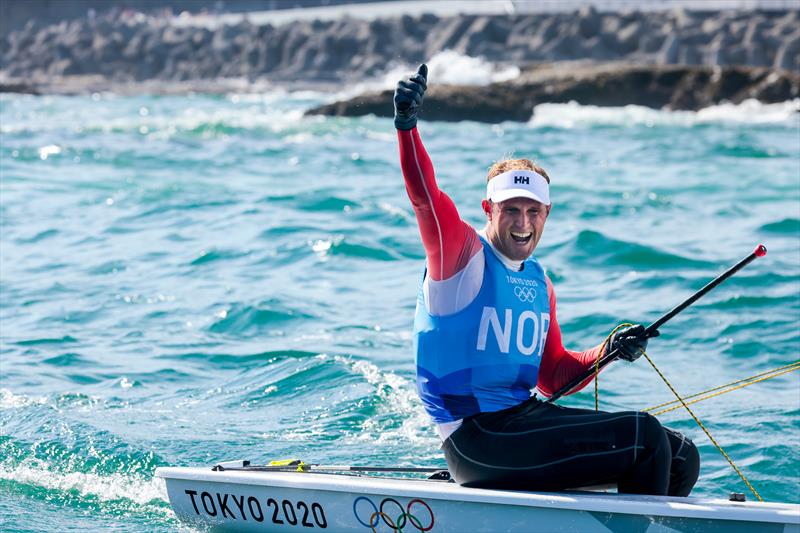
(188, 279)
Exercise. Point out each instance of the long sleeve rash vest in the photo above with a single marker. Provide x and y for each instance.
(455, 263)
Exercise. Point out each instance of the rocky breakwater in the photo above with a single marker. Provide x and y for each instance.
(668, 87)
(121, 47)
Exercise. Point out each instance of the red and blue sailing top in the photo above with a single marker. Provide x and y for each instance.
(469, 297)
(485, 357)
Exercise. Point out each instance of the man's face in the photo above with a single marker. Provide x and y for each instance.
(515, 226)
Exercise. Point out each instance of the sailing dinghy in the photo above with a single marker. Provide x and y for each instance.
(239, 497)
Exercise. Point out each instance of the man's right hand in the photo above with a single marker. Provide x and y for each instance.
(631, 342)
(408, 99)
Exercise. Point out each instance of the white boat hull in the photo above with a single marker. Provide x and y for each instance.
(286, 501)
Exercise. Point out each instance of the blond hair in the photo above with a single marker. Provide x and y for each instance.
(504, 165)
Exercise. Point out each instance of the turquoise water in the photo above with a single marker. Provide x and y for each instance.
(193, 279)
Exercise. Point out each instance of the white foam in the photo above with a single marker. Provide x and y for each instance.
(750, 111)
(9, 400)
(252, 118)
(106, 487)
(451, 67)
(395, 211)
(445, 67)
(400, 398)
(275, 111)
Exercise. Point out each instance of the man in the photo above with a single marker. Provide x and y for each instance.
(486, 333)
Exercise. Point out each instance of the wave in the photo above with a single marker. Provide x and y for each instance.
(69, 360)
(324, 248)
(47, 340)
(46, 234)
(750, 111)
(201, 117)
(400, 416)
(788, 226)
(750, 302)
(251, 320)
(107, 487)
(312, 201)
(453, 68)
(447, 67)
(592, 247)
(239, 361)
(359, 402)
(70, 480)
(212, 255)
(48, 455)
(9, 400)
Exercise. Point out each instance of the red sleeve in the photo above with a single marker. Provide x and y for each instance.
(449, 241)
(559, 365)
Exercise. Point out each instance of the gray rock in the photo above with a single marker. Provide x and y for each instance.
(689, 55)
(549, 29)
(788, 23)
(788, 55)
(672, 87)
(754, 30)
(448, 36)
(629, 38)
(670, 51)
(682, 18)
(651, 42)
(589, 22)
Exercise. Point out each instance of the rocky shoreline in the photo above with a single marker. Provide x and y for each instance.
(133, 50)
(660, 87)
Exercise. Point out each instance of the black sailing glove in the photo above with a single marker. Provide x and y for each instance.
(408, 99)
(631, 342)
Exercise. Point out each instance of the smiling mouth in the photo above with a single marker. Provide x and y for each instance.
(521, 238)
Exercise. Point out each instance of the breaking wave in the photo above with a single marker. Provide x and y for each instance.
(573, 115)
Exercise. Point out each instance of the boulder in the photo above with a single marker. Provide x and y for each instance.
(669, 87)
(788, 55)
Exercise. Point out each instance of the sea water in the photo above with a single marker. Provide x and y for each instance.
(189, 279)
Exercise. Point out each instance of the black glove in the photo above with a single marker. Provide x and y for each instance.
(631, 342)
(408, 99)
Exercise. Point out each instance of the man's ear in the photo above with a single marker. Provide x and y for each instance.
(487, 208)
(548, 209)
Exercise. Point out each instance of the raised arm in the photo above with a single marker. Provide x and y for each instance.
(449, 241)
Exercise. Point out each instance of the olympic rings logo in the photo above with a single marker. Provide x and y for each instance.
(390, 507)
(525, 294)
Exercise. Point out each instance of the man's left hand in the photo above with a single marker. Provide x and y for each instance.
(631, 342)
(408, 99)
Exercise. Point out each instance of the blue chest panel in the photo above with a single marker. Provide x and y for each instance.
(485, 357)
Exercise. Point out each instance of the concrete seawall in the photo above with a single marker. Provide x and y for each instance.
(123, 47)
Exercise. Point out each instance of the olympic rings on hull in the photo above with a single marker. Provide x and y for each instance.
(390, 506)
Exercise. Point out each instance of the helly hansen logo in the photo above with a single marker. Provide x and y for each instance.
(522, 179)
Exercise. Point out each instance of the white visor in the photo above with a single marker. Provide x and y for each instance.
(518, 184)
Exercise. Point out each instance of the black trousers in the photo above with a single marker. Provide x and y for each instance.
(542, 446)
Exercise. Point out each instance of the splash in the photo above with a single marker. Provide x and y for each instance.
(399, 399)
(109, 487)
(451, 67)
(205, 116)
(751, 111)
(9, 400)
